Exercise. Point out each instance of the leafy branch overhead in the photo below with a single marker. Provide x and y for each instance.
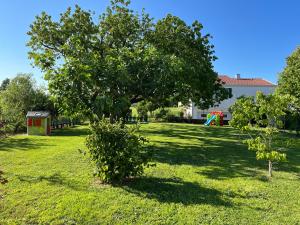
(102, 67)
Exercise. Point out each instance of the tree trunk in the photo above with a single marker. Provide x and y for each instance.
(270, 168)
(111, 118)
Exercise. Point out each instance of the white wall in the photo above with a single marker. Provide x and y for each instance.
(237, 91)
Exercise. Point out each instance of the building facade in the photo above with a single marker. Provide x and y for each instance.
(238, 87)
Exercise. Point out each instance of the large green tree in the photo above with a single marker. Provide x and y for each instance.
(289, 83)
(103, 67)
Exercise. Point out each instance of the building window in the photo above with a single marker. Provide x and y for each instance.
(229, 90)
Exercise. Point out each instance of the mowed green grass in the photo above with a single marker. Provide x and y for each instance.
(203, 175)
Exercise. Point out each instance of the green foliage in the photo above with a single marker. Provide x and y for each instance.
(291, 121)
(289, 79)
(250, 114)
(118, 152)
(4, 84)
(102, 68)
(167, 113)
(144, 107)
(133, 111)
(263, 145)
(289, 83)
(161, 114)
(16, 100)
(20, 96)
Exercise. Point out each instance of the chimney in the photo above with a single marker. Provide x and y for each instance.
(238, 76)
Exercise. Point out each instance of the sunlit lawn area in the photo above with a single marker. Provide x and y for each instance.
(203, 175)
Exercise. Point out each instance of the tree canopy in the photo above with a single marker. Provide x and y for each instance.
(289, 78)
(102, 67)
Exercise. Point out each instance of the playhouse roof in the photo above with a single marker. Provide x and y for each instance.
(38, 114)
(238, 81)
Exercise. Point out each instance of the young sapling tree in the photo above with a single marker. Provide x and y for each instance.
(261, 118)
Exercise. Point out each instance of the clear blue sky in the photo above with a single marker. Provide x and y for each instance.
(252, 38)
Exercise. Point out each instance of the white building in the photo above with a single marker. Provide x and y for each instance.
(239, 87)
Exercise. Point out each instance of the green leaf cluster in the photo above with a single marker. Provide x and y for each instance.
(289, 83)
(289, 78)
(117, 151)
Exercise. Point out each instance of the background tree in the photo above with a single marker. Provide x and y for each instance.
(4, 84)
(289, 83)
(19, 97)
(102, 68)
(261, 119)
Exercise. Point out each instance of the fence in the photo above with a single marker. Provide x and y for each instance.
(133, 119)
(56, 124)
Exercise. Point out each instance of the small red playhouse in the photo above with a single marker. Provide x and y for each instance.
(38, 123)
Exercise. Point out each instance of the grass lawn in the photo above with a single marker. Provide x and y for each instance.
(203, 176)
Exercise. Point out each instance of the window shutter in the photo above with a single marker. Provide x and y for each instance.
(29, 122)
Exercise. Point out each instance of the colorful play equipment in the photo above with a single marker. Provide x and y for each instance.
(214, 118)
(38, 123)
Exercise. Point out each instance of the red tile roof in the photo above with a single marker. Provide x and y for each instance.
(245, 81)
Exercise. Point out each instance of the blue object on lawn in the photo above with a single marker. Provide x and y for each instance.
(207, 123)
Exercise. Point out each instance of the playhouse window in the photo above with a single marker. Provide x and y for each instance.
(203, 115)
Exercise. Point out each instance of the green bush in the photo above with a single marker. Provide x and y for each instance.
(133, 111)
(167, 114)
(160, 114)
(117, 151)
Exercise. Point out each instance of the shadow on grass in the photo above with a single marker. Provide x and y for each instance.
(70, 131)
(27, 143)
(218, 150)
(174, 190)
(12, 144)
(165, 190)
(54, 179)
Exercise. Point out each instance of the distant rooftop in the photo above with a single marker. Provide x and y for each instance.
(38, 114)
(238, 81)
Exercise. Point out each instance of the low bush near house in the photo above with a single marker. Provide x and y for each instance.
(117, 151)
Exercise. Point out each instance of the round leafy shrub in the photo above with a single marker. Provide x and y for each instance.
(117, 151)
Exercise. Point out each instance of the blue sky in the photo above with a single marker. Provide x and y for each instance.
(252, 38)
